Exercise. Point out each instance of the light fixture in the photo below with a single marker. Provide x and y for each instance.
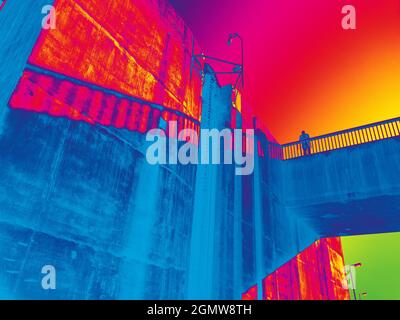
(231, 37)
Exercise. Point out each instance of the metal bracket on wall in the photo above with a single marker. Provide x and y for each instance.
(198, 61)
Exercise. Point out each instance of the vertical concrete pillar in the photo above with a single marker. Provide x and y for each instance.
(210, 197)
(258, 213)
(238, 230)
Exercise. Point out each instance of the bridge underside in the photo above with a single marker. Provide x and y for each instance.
(356, 217)
(351, 191)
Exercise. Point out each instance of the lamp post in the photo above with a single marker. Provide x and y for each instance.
(230, 39)
(363, 294)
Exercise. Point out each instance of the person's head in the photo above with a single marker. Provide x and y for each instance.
(303, 132)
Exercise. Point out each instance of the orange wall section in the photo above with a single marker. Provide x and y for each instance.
(138, 48)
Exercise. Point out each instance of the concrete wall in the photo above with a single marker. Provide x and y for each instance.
(76, 193)
(82, 197)
(88, 203)
(241, 231)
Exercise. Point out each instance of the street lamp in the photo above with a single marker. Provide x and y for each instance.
(230, 40)
(198, 62)
(363, 294)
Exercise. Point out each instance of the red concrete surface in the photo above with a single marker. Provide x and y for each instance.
(315, 274)
(62, 98)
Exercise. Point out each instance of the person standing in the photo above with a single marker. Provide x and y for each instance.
(305, 143)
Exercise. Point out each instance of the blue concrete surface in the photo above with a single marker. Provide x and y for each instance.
(20, 25)
(84, 199)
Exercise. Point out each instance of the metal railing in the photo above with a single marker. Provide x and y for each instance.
(337, 140)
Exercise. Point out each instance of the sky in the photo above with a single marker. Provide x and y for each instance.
(380, 258)
(302, 69)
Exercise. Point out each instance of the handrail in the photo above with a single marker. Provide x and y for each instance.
(336, 140)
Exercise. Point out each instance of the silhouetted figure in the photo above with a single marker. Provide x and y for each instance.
(305, 143)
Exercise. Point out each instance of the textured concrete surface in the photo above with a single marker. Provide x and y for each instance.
(78, 193)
